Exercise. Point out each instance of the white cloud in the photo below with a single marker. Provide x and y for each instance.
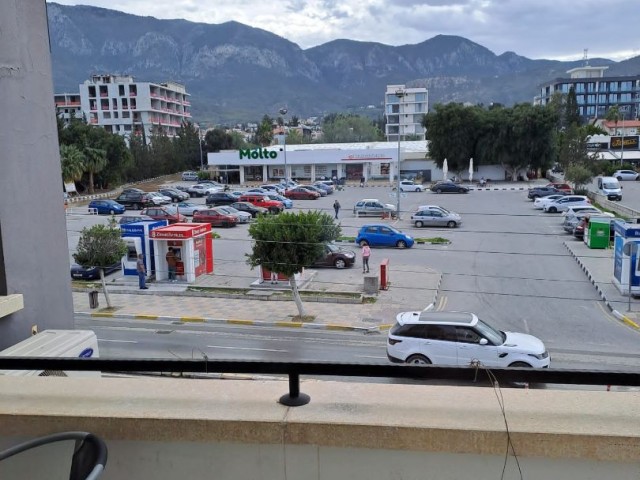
(532, 28)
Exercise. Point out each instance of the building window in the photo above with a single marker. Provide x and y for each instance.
(591, 87)
(626, 86)
(591, 111)
(580, 88)
(126, 114)
(92, 91)
(602, 99)
(591, 99)
(625, 97)
(564, 88)
(613, 86)
(391, 98)
(580, 99)
(121, 90)
(602, 87)
(613, 97)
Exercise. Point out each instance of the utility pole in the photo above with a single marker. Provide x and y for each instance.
(400, 94)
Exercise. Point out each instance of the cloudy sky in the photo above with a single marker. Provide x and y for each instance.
(558, 29)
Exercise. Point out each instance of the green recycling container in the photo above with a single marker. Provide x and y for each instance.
(598, 234)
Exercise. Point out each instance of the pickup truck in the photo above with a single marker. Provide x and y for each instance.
(261, 200)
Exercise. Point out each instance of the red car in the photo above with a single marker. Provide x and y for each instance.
(563, 187)
(301, 193)
(161, 213)
(214, 217)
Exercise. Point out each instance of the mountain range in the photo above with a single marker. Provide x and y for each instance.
(236, 73)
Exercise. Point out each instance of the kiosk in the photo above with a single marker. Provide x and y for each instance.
(626, 274)
(192, 245)
(136, 236)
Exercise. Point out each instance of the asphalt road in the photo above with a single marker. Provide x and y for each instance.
(506, 263)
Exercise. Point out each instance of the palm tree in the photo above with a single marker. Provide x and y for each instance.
(95, 159)
(71, 162)
(614, 115)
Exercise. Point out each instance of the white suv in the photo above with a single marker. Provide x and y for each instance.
(462, 339)
(626, 175)
(562, 204)
(409, 186)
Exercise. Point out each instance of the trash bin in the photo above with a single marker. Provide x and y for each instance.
(93, 299)
(597, 233)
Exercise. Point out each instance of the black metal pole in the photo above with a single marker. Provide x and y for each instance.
(294, 398)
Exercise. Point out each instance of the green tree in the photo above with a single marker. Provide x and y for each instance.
(294, 137)
(264, 134)
(100, 246)
(186, 147)
(295, 121)
(288, 242)
(72, 163)
(95, 159)
(572, 111)
(218, 139)
(580, 175)
(339, 128)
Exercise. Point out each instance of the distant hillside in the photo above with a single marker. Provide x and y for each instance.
(239, 73)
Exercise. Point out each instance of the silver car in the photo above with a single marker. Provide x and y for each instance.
(241, 217)
(435, 216)
(373, 206)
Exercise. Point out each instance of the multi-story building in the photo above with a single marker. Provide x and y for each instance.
(121, 105)
(596, 93)
(405, 109)
(68, 106)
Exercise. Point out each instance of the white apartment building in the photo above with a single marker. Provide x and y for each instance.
(123, 106)
(404, 109)
(68, 106)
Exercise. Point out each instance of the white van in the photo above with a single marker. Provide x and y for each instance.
(610, 187)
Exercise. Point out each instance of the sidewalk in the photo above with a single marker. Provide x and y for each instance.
(597, 264)
(175, 302)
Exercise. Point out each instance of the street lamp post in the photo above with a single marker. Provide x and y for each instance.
(200, 145)
(400, 94)
(283, 112)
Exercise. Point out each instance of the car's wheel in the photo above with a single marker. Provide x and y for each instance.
(418, 360)
(438, 190)
(619, 179)
(401, 244)
(362, 243)
(419, 224)
(340, 263)
(451, 224)
(274, 210)
(112, 212)
(417, 189)
(462, 190)
(520, 365)
(552, 210)
(136, 206)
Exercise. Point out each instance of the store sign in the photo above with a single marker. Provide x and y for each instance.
(630, 142)
(258, 153)
(597, 146)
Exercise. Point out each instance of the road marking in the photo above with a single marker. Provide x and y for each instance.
(116, 341)
(607, 313)
(371, 356)
(442, 303)
(245, 348)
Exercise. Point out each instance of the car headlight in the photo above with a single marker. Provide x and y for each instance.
(540, 356)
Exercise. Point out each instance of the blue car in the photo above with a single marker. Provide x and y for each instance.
(287, 202)
(107, 207)
(382, 235)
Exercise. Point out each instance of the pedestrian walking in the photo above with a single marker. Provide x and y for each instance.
(172, 263)
(362, 180)
(142, 272)
(366, 253)
(274, 277)
(336, 207)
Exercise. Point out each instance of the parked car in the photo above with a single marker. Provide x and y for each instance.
(128, 218)
(382, 235)
(409, 186)
(79, 272)
(132, 190)
(448, 187)
(434, 216)
(321, 191)
(261, 200)
(134, 200)
(579, 229)
(580, 209)
(220, 198)
(185, 208)
(189, 176)
(562, 187)
(540, 202)
(241, 217)
(374, 207)
(326, 185)
(626, 175)
(250, 208)
(301, 193)
(202, 189)
(288, 203)
(460, 338)
(536, 192)
(335, 256)
(162, 199)
(107, 207)
(562, 204)
(174, 194)
(215, 217)
(275, 188)
(162, 213)
(236, 193)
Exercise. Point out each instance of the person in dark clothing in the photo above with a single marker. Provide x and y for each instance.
(336, 207)
(142, 272)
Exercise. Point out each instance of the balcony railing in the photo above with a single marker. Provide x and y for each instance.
(294, 397)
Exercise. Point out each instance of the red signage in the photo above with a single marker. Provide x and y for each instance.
(180, 230)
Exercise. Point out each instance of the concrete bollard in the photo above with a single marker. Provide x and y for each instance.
(371, 284)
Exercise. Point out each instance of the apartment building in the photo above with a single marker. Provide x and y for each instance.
(596, 92)
(121, 105)
(404, 109)
(68, 106)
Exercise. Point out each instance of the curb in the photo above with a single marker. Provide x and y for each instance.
(623, 318)
(232, 321)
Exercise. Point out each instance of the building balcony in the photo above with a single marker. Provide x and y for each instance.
(183, 428)
(186, 102)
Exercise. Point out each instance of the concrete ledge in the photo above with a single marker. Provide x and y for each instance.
(11, 304)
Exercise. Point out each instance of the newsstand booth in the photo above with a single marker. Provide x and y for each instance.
(625, 261)
(136, 236)
(192, 245)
